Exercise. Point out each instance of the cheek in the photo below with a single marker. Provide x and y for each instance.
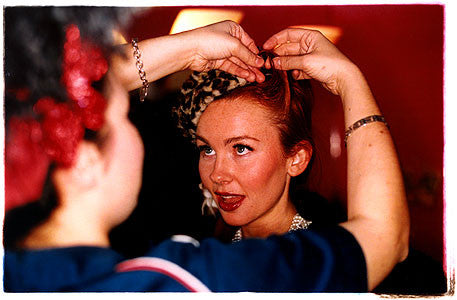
(133, 144)
(205, 169)
(124, 147)
(262, 173)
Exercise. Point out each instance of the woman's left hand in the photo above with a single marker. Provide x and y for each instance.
(376, 201)
(225, 46)
(312, 56)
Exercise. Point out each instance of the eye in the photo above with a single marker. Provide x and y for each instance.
(206, 150)
(242, 149)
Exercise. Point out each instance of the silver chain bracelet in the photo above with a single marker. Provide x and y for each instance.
(141, 72)
(361, 123)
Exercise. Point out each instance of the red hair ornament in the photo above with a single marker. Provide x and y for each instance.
(62, 131)
(25, 163)
(83, 63)
(33, 145)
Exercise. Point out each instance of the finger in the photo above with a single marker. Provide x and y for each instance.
(289, 34)
(238, 62)
(248, 41)
(230, 67)
(259, 77)
(288, 49)
(298, 75)
(282, 37)
(247, 56)
(296, 62)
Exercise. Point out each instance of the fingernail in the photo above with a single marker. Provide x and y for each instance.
(259, 61)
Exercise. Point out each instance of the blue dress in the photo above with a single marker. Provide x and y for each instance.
(324, 260)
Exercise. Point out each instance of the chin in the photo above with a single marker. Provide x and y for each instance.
(234, 220)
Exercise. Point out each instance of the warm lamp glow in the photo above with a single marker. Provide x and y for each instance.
(188, 19)
(333, 33)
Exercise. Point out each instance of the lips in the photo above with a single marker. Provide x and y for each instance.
(228, 201)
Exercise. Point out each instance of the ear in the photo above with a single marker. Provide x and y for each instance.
(85, 173)
(300, 159)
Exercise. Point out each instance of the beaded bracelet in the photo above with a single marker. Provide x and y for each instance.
(361, 123)
(141, 72)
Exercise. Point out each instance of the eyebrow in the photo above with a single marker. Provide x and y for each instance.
(197, 137)
(230, 140)
(239, 138)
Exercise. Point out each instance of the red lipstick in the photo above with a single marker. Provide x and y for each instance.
(228, 201)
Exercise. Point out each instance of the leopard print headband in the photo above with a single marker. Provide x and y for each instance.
(197, 92)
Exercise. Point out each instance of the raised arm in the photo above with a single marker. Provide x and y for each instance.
(223, 46)
(377, 210)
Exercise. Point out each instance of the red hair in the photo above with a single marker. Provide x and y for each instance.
(289, 102)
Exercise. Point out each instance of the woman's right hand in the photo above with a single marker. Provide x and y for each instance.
(224, 46)
(312, 56)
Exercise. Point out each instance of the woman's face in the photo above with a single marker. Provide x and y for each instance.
(242, 162)
(123, 154)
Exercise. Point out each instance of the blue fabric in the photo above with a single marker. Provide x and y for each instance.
(324, 260)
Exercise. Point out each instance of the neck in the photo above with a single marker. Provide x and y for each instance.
(67, 228)
(275, 221)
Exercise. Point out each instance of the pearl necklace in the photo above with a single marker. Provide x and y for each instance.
(297, 223)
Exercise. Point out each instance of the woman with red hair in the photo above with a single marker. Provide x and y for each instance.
(255, 139)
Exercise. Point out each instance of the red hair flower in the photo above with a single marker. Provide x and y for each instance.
(62, 130)
(83, 63)
(32, 145)
(26, 164)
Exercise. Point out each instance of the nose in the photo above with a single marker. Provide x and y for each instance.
(221, 173)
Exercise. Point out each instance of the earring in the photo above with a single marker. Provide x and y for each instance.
(209, 206)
